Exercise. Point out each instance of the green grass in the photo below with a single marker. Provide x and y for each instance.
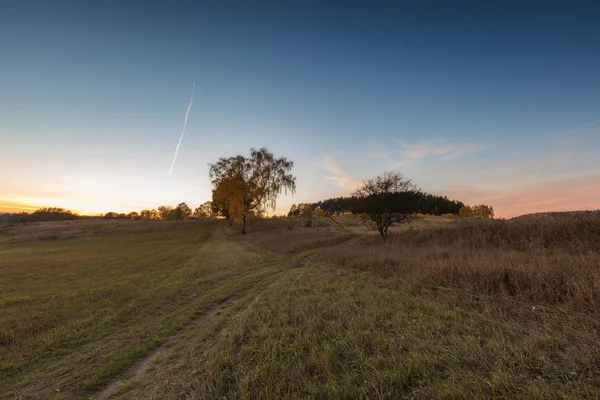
(77, 312)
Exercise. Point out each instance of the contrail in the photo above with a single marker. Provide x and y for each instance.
(579, 127)
(184, 126)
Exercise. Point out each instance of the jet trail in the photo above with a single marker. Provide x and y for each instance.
(184, 126)
(579, 128)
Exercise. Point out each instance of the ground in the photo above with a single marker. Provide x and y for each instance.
(163, 310)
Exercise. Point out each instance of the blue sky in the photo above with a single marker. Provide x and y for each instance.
(481, 102)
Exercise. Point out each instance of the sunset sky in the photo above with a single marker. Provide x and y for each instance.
(485, 102)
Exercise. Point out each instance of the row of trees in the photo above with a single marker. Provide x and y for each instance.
(167, 213)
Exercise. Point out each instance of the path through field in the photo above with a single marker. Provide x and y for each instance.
(141, 365)
(88, 314)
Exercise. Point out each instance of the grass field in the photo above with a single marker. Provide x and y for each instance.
(191, 310)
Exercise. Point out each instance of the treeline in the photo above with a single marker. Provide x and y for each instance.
(41, 215)
(167, 213)
(425, 203)
(163, 213)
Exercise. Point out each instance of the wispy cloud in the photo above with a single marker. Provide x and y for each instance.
(570, 132)
(408, 155)
(440, 148)
(339, 175)
(203, 190)
(332, 167)
(16, 183)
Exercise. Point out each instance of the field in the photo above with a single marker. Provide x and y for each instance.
(193, 310)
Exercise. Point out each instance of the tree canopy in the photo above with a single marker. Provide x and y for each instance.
(249, 185)
(386, 200)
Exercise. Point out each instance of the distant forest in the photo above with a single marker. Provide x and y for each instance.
(427, 204)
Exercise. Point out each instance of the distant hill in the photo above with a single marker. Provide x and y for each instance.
(558, 214)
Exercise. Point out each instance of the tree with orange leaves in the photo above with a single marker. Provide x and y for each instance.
(247, 186)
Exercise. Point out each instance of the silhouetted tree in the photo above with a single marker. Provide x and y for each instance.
(294, 211)
(386, 200)
(186, 211)
(164, 212)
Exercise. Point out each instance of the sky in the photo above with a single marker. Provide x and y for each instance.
(484, 102)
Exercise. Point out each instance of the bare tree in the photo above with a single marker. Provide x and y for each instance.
(387, 200)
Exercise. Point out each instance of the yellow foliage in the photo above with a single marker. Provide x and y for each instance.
(481, 211)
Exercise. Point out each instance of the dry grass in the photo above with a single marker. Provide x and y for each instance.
(546, 260)
(356, 225)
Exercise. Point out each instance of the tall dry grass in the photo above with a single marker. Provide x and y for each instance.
(552, 260)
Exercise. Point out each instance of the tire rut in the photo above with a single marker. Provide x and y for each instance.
(141, 365)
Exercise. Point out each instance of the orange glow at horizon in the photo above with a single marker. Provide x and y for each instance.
(81, 208)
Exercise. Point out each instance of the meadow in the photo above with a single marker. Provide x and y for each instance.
(193, 310)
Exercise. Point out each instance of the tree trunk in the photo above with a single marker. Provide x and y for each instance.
(243, 224)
